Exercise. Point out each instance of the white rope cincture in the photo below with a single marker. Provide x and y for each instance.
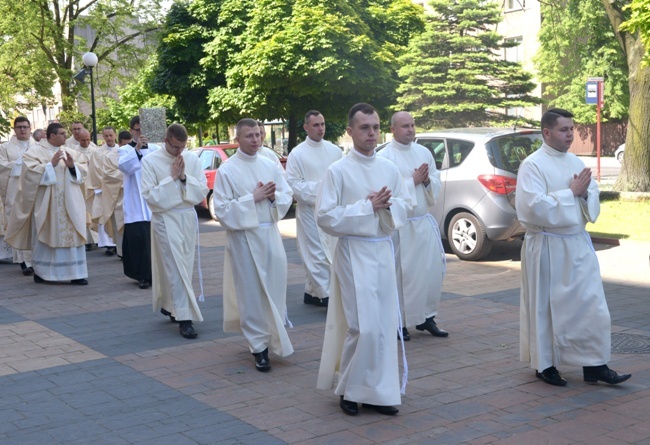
(201, 297)
(405, 365)
(287, 322)
(584, 232)
(434, 224)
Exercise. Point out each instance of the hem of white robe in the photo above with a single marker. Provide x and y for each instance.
(59, 264)
(374, 396)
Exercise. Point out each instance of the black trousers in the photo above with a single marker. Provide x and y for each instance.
(136, 250)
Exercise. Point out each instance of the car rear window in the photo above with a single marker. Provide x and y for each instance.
(507, 152)
(230, 151)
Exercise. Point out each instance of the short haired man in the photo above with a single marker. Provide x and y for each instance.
(173, 182)
(362, 200)
(419, 255)
(86, 148)
(49, 215)
(38, 134)
(306, 168)
(11, 161)
(250, 197)
(564, 319)
(104, 205)
(75, 128)
(136, 243)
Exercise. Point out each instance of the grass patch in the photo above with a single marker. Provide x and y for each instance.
(622, 220)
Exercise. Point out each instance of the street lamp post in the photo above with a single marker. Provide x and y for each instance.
(90, 60)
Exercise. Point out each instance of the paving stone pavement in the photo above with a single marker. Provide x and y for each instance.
(94, 365)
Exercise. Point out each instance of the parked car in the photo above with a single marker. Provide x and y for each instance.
(211, 157)
(620, 153)
(478, 169)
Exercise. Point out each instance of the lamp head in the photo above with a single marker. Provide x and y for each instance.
(90, 59)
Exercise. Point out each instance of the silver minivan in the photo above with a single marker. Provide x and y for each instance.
(478, 169)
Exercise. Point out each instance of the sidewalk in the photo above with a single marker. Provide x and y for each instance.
(93, 365)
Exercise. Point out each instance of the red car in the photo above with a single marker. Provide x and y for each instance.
(211, 157)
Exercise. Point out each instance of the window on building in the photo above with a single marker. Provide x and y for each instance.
(514, 53)
(513, 5)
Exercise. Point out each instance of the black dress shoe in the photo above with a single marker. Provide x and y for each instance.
(262, 363)
(79, 281)
(382, 409)
(432, 327)
(310, 299)
(166, 313)
(405, 334)
(551, 376)
(28, 271)
(89, 247)
(187, 330)
(110, 251)
(593, 374)
(143, 284)
(38, 279)
(349, 408)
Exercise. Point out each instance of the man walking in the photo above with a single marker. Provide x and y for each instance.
(564, 319)
(361, 202)
(306, 168)
(419, 255)
(250, 197)
(173, 182)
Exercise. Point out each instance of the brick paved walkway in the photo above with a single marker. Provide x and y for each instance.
(94, 365)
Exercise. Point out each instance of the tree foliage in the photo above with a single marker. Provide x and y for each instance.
(639, 21)
(454, 74)
(279, 58)
(577, 42)
(48, 42)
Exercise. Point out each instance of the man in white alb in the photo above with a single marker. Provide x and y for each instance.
(173, 182)
(86, 148)
(564, 318)
(362, 201)
(250, 197)
(419, 255)
(306, 168)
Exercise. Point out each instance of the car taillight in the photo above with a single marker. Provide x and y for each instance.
(503, 185)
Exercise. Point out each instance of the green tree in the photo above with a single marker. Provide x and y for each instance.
(279, 58)
(49, 32)
(454, 74)
(578, 42)
(639, 21)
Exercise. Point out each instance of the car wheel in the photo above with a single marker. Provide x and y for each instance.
(211, 206)
(619, 157)
(467, 237)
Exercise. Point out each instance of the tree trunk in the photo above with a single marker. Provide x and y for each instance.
(635, 171)
(293, 131)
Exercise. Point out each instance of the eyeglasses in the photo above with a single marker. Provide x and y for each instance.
(176, 147)
(136, 129)
(22, 127)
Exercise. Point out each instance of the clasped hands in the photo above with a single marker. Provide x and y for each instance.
(264, 191)
(421, 175)
(580, 183)
(380, 199)
(62, 154)
(178, 169)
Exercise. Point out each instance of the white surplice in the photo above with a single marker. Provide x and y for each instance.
(11, 161)
(360, 344)
(419, 255)
(306, 168)
(135, 207)
(255, 263)
(174, 231)
(564, 319)
(49, 215)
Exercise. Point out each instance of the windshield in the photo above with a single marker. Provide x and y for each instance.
(507, 152)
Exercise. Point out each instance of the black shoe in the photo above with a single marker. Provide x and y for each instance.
(80, 282)
(593, 374)
(551, 376)
(349, 408)
(310, 299)
(23, 266)
(166, 313)
(405, 334)
(262, 363)
(89, 247)
(432, 327)
(143, 284)
(381, 409)
(38, 279)
(28, 271)
(187, 330)
(110, 251)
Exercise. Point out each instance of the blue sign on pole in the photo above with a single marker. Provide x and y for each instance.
(592, 93)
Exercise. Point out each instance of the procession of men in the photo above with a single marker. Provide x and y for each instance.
(371, 250)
